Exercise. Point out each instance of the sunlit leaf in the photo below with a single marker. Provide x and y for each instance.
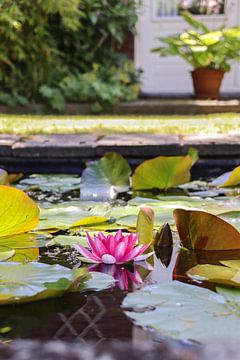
(50, 183)
(203, 231)
(4, 179)
(33, 281)
(90, 221)
(104, 178)
(183, 311)
(18, 213)
(36, 281)
(67, 240)
(232, 217)
(145, 223)
(64, 215)
(6, 253)
(231, 178)
(228, 274)
(164, 172)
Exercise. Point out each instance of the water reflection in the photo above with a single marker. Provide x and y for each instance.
(125, 276)
(187, 259)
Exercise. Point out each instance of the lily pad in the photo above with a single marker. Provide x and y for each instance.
(36, 281)
(6, 253)
(164, 172)
(104, 178)
(4, 179)
(229, 274)
(68, 240)
(183, 312)
(50, 183)
(18, 212)
(230, 178)
(203, 231)
(64, 215)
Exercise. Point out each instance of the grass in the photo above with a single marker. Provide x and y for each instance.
(174, 125)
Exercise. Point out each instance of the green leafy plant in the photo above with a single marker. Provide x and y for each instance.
(201, 47)
(48, 52)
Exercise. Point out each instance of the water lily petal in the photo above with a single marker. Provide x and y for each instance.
(100, 247)
(108, 259)
(143, 257)
(92, 245)
(86, 253)
(120, 251)
(118, 235)
(111, 244)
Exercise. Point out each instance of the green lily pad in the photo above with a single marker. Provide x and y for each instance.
(68, 240)
(4, 179)
(229, 274)
(183, 312)
(104, 178)
(232, 217)
(67, 214)
(6, 253)
(230, 178)
(18, 212)
(36, 281)
(164, 172)
(50, 183)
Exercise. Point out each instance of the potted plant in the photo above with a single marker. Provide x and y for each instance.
(209, 53)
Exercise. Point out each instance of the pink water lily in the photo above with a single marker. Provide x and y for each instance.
(113, 249)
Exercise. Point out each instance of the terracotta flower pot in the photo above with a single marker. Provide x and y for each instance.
(207, 82)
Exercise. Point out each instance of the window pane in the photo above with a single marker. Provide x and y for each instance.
(197, 7)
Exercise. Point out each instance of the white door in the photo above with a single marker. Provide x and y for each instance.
(170, 75)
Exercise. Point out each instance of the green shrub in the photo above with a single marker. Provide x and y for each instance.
(49, 49)
(104, 87)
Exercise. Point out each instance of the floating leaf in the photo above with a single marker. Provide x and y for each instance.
(63, 215)
(98, 281)
(230, 294)
(68, 240)
(183, 311)
(36, 281)
(228, 274)
(104, 178)
(18, 213)
(145, 223)
(4, 179)
(50, 183)
(230, 178)
(6, 253)
(163, 172)
(232, 217)
(90, 221)
(203, 231)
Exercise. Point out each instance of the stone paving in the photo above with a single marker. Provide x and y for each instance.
(130, 145)
(68, 153)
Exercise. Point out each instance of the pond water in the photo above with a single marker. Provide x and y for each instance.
(99, 316)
